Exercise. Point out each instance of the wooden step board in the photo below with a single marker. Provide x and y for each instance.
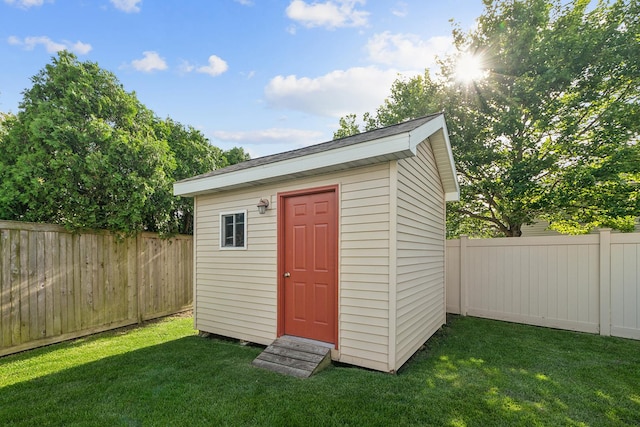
(294, 356)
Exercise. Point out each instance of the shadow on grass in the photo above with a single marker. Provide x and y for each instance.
(474, 373)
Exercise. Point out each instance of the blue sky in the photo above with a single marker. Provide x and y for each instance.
(267, 75)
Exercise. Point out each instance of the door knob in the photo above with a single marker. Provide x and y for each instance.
(287, 274)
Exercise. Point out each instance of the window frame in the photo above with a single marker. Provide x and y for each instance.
(222, 230)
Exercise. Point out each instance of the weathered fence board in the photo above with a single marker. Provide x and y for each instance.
(55, 285)
(584, 283)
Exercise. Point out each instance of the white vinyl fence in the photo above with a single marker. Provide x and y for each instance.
(584, 283)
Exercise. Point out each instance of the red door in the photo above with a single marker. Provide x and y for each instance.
(308, 264)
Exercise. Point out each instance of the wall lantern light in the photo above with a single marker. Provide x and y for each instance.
(263, 204)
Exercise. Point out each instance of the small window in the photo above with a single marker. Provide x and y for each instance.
(233, 230)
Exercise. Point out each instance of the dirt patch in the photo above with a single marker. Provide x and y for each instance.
(186, 313)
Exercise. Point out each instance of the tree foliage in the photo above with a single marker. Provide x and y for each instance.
(5, 122)
(551, 131)
(193, 155)
(347, 127)
(84, 153)
(234, 155)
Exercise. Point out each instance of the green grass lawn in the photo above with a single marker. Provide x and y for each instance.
(474, 373)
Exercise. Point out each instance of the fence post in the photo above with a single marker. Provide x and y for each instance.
(605, 281)
(140, 277)
(464, 239)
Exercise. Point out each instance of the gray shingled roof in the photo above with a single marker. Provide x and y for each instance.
(397, 129)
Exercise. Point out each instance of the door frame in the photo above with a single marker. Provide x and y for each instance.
(281, 253)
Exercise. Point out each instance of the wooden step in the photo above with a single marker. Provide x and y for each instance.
(294, 356)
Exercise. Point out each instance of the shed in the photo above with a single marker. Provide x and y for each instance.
(349, 249)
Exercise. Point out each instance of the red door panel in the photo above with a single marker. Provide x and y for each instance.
(309, 230)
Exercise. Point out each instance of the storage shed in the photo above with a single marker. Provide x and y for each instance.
(341, 242)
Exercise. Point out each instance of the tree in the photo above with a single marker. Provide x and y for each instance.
(551, 131)
(84, 153)
(234, 155)
(6, 119)
(347, 127)
(193, 155)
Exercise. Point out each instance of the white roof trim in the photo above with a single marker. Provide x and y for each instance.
(446, 167)
(452, 196)
(423, 132)
(449, 196)
(396, 146)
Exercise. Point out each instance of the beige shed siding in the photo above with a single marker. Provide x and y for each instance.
(420, 252)
(364, 269)
(230, 299)
(236, 291)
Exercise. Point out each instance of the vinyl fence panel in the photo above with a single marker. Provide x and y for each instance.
(625, 285)
(583, 283)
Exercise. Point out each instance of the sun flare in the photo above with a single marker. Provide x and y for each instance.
(470, 68)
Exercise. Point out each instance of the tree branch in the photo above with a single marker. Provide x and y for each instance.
(493, 220)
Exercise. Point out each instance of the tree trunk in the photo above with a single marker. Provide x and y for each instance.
(187, 224)
(514, 230)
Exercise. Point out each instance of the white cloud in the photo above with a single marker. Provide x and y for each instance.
(25, 4)
(335, 94)
(81, 48)
(150, 62)
(329, 14)
(245, 2)
(128, 6)
(401, 10)
(407, 50)
(30, 43)
(186, 67)
(270, 136)
(216, 66)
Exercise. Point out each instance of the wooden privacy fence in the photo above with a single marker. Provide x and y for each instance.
(55, 285)
(585, 283)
